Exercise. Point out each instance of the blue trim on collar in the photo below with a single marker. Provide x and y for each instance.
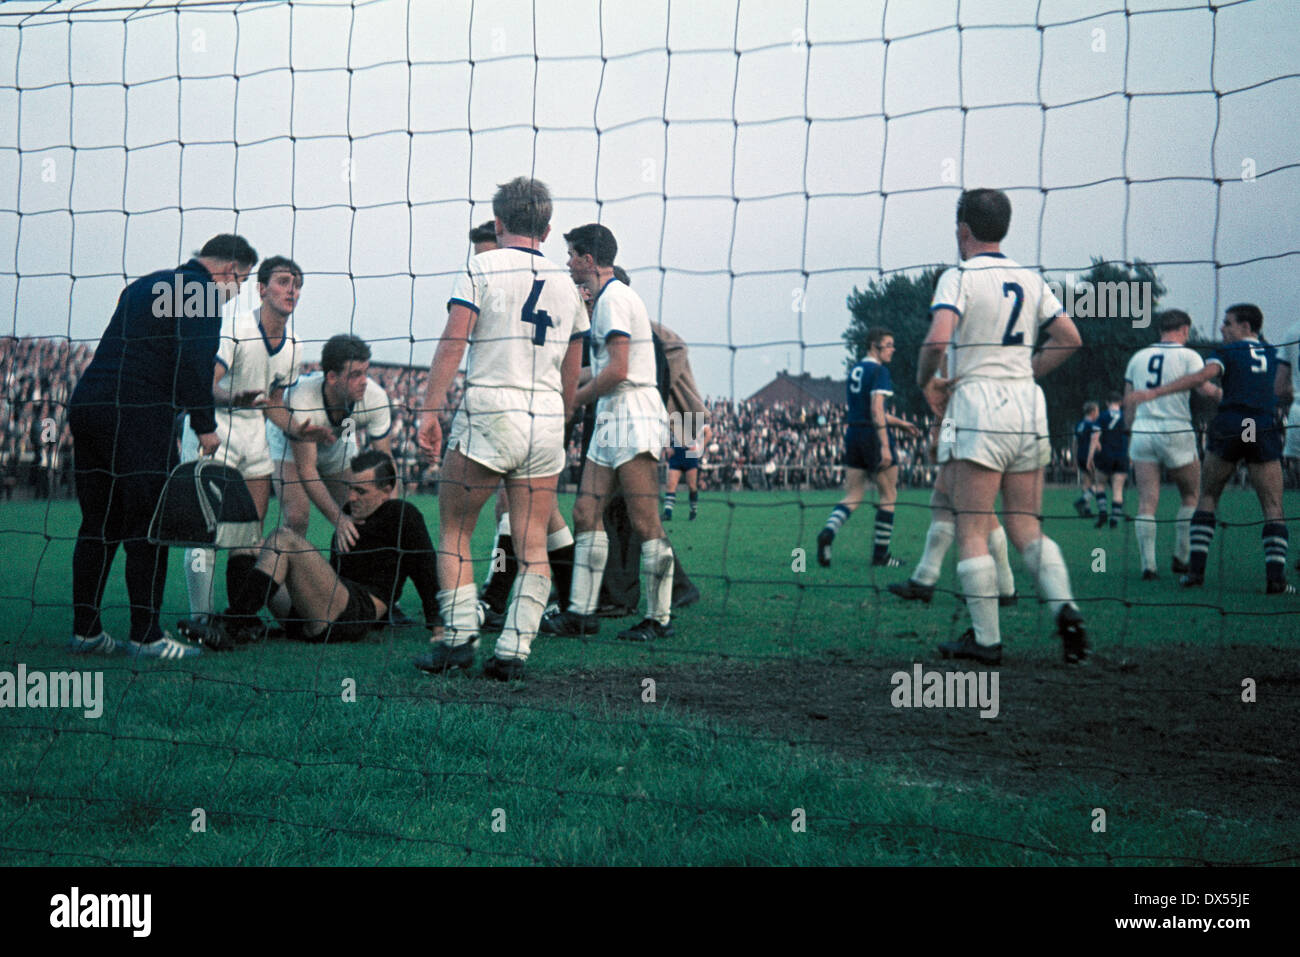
(284, 336)
(991, 255)
(526, 249)
(601, 291)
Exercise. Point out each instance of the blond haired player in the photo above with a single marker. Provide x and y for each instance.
(522, 321)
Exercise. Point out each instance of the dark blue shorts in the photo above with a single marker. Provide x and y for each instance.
(1081, 455)
(682, 462)
(862, 448)
(1226, 437)
(1109, 465)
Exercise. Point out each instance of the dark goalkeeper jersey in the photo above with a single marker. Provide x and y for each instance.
(393, 545)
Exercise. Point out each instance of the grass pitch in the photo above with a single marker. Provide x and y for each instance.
(764, 733)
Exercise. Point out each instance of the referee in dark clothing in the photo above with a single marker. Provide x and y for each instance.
(153, 362)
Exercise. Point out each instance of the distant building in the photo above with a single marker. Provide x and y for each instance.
(797, 390)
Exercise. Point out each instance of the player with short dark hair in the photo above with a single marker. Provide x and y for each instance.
(350, 595)
(1109, 459)
(1163, 436)
(630, 428)
(870, 453)
(153, 361)
(988, 311)
(1085, 431)
(257, 360)
(484, 237)
(1247, 428)
(332, 410)
(522, 321)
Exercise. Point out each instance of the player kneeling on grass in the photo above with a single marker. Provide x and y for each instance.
(631, 425)
(347, 596)
(1256, 380)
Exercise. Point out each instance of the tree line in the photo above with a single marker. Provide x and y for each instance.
(901, 303)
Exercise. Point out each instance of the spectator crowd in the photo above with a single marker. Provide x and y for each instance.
(753, 446)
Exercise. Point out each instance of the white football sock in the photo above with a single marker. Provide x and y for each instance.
(590, 551)
(200, 576)
(559, 539)
(937, 542)
(1183, 533)
(979, 583)
(657, 570)
(459, 609)
(998, 549)
(503, 524)
(1144, 527)
(1047, 565)
(523, 616)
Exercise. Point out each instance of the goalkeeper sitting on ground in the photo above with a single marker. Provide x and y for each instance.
(348, 596)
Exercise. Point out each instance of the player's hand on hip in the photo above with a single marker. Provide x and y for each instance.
(345, 533)
(209, 443)
(430, 437)
(936, 393)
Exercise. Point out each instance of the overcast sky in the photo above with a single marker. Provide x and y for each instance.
(755, 164)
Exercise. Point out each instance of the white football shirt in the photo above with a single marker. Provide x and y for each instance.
(619, 311)
(251, 364)
(1158, 364)
(371, 415)
(1000, 307)
(528, 310)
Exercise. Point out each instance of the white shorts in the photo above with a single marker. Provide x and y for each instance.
(496, 429)
(628, 424)
(998, 423)
(331, 460)
(1173, 450)
(1292, 450)
(243, 444)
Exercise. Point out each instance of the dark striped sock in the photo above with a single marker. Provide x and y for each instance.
(1101, 503)
(670, 499)
(1202, 534)
(505, 567)
(884, 532)
(839, 515)
(561, 560)
(1275, 539)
